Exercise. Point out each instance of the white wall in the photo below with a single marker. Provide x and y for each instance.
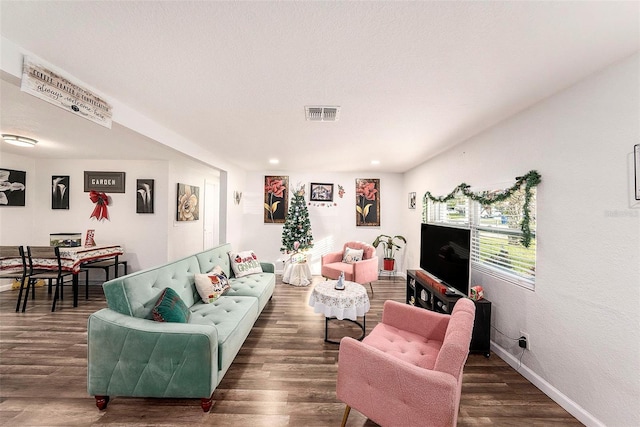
(148, 239)
(332, 225)
(583, 318)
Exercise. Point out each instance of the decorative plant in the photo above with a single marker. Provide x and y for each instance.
(389, 244)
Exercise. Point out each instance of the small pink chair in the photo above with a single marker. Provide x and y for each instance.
(364, 271)
(408, 370)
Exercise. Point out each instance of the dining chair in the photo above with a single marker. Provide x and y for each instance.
(106, 264)
(13, 265)
(49, 256)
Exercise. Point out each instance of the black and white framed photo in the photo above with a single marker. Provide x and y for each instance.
(144, 195)
(636, 168)
(60, 192)
(13, 185)
(412, 200)
(321, 192)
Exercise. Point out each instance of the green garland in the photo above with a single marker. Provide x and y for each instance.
(485, 198)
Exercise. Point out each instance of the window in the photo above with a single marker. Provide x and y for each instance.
(496, 246)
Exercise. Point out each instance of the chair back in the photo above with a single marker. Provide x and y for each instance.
(51, 253)
(368, 251)
(12, 260)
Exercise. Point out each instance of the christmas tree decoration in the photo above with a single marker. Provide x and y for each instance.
(296, 232)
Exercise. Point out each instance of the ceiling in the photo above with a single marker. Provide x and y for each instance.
(412, 78)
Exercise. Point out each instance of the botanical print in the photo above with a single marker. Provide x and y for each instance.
(60, 192)
(276, 199)
(188, 196)
(367, 202)
(144, 196)
(12, 187)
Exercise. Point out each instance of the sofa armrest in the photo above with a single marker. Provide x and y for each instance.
(426, 323)
(331, 257)
(268, 267)
(129, 356)
(366, 270)
(391, 391)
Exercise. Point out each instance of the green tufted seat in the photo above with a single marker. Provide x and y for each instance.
(131, 355)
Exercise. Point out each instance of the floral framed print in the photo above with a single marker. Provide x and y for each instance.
(367, 202)
(60, 192)
(144, 196)
(321, 192)
(188, 203)
(276, 199)
(13, 185)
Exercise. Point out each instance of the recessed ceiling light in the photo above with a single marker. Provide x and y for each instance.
(375, 162)
(20, 141)
(274, 161)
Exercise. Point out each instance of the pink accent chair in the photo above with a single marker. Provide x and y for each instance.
(408, 370)
(364, 271)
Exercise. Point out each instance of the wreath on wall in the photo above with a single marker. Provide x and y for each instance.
(486, 198)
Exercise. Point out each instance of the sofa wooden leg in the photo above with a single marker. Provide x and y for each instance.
(345, 416)
(206, 403)
(101, 402)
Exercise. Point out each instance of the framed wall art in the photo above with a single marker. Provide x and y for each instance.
(321, 192)
(106, 182)
(636, 168)
(144, 195)
(188, 203)
(412, 200)
(367, 202)
(60, 192)
(276, 199)
(13, 186)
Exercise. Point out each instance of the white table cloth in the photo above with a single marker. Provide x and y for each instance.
(350, 303)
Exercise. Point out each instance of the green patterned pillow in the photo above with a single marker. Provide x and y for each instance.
(170, 308)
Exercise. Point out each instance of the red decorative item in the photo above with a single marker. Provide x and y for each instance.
(101, 200)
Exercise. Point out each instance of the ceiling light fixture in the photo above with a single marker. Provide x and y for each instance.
(375, 162)
(20, 141)
(274, 161)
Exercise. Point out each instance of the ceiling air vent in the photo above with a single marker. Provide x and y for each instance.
(319, 113)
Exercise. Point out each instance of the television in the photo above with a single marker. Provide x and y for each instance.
(444, 253)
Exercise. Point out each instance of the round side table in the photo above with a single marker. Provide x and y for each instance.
(347, 304)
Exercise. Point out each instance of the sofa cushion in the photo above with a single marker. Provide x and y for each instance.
(233, 317)
(244, 263)
(352, 255)
(259, 286)
(412, 348)
(170, 308)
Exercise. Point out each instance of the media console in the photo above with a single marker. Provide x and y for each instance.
(425, 292)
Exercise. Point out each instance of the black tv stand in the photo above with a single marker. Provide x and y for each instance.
(424, 292)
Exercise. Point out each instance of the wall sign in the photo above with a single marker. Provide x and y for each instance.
(39, 80)
(107, 182)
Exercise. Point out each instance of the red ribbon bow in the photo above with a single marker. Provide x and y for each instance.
(101, 200)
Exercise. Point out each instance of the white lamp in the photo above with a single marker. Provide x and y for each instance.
(20, 141)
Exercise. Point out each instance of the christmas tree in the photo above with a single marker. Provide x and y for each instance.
(296, 233)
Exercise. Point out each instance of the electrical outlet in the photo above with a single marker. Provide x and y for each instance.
(526, 337)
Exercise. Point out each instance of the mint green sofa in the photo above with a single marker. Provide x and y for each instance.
(130, 354)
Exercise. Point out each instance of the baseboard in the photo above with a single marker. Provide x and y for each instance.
(554, 394)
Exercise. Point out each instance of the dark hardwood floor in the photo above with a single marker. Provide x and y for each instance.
(284, 374)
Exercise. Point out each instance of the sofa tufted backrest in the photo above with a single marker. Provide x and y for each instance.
(211, 258)
(136, 294)
(368, 250)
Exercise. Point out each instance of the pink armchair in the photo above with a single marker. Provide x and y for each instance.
(364, 271)
(408, 370)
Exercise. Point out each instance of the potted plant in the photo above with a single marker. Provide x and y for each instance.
(389, 246)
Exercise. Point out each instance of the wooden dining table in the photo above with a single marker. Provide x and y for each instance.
(72, 258)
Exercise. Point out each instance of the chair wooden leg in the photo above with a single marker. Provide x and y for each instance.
(345, 416)
(371, 286)
(86, 284)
